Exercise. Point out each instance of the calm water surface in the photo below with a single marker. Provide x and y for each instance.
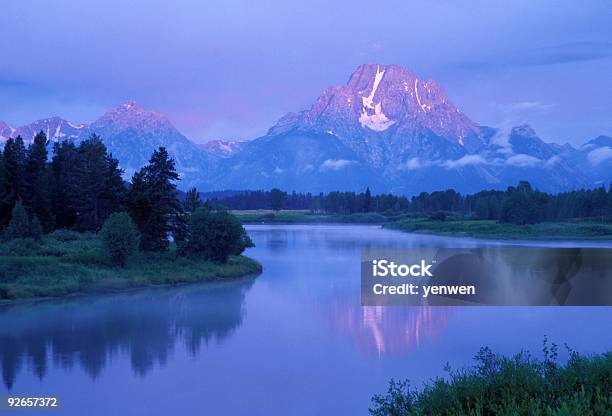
(293, 341)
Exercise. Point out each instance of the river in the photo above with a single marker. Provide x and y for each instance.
(293, 341)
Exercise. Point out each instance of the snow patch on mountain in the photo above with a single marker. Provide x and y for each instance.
(221, 147)
(377, 121)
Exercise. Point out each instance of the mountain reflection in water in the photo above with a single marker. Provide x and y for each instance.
(394, 331)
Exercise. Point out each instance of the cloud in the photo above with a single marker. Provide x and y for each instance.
(414, 164)
(308, 168)
(552, 161)
(335, 164)
(549, 55)
(530, 106)
(466, 160)
(599, 155)
(523, 161)
(502, 139)
(565, 53)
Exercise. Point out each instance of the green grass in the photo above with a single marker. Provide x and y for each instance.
(301, 217)
(455, 225)
(66, 262)
(518, 385)
(493, 229)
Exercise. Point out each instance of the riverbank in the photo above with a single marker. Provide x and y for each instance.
(454, 226)
(66, 262)
(504, 231)
(305, 217)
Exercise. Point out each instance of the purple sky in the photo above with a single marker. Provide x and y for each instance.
(231, 68)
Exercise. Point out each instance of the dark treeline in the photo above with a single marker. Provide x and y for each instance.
(519, 205)
(79, 188)
(333, 202)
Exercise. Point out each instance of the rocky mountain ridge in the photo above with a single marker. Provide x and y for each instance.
(385, 129)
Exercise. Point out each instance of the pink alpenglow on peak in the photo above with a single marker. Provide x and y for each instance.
(5, 131)
(132, 115)
(221, 147)
(387, 100)
(55, 128)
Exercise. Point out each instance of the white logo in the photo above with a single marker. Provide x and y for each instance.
(382, 268)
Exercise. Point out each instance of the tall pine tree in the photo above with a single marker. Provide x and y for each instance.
(99, 185)
(14, 167)
(192, 200)
(65, 186)
(153, 202)
(39, 184)
(3, 209)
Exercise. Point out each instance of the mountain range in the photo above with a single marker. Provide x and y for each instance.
(385, 129)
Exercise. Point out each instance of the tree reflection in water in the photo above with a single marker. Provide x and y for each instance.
(144, 325)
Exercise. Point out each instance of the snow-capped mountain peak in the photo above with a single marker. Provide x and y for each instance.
(386, 101)
(222, 148)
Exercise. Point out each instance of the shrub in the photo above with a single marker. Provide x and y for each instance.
(438, 216)
(36, 231)
(64, 235)
(518, 385)
(120, 238)
(19, 226)
(215, 235)
(20, 247)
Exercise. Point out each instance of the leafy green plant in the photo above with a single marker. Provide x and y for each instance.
(19, 226)
(120, 238)
(517, 385)
(215, 235)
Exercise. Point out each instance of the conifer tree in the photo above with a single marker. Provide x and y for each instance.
(277, 199)
(65, 187)
(153, 201)
(4, 208)
(99, 184)
(36, 229)
(19, 225)
(367, 201)
(192, 200)
(2, 185)
(39, 182)
(15, 169)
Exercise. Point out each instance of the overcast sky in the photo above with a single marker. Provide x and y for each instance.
(230, 68)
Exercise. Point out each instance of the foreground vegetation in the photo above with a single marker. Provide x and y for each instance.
(518, 385)
(459, 227)
(72, 224)
(65, 262)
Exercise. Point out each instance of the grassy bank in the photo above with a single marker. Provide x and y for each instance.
(518, 385)
(453, 226)
(494, 229)
(305, 217)
(67, 262)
